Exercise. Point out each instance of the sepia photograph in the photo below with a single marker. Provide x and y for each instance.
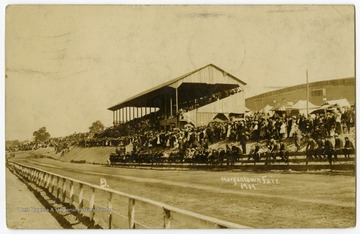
(180, 116)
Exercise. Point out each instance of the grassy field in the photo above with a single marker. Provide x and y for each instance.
(261, 200)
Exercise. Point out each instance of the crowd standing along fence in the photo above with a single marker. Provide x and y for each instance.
(294, 161)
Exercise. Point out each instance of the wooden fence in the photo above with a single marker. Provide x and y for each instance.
(83, 197)
(295, 161)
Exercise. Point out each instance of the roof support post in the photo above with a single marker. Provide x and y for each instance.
(129, 113)
(122, 115)
(177, 101)
(171, 107)
(114, 117)
(119, 116)
(126, 114)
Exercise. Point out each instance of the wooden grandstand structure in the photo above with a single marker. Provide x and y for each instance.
(195, 97)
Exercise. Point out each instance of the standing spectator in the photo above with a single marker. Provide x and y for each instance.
(321, 148)
(337, 116)
(282, 130)
(339, 144)
(243, 137)
(348, 147)
(297, 135)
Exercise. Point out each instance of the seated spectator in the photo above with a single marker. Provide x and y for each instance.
(311, 148)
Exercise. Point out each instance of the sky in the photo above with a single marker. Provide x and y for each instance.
(65, 65)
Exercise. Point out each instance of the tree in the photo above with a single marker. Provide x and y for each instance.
(96, 127)
(41, 135)
(11, 144)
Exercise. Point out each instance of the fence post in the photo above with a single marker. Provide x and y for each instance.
(131, 213)
(167, 218)
(52, 184)
(71, 192)
(42, 179)
(47, 180)
(92, 204)
(288, 159)
(32, 171)
(267, 161)
(110, 209)
(38, 174)
(81, 195)
(57, 187)
(33, 175)
(63, 190)
(27, 173)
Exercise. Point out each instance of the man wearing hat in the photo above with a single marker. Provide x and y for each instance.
(329, 149)
(348, 147)
(339, 144)
(311, 148)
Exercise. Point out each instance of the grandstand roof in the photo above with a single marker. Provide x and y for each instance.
(203, 80)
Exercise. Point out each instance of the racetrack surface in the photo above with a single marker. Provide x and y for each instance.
(276, 199)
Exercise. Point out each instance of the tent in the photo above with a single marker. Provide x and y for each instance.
(330, 106)
(301, 105)
(280, 108)
(247, 109)
(344, 103)
(220, 117)
(266, 109)
(322, 110)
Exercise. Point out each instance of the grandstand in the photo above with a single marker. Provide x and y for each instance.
(195, 97)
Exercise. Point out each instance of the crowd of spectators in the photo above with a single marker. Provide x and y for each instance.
(28, 145)
(144, 135)
(192, 104)
(257, 127)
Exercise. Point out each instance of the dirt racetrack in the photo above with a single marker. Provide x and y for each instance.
(321, 199)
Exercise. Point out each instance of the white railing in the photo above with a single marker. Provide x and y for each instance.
(65, 190)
